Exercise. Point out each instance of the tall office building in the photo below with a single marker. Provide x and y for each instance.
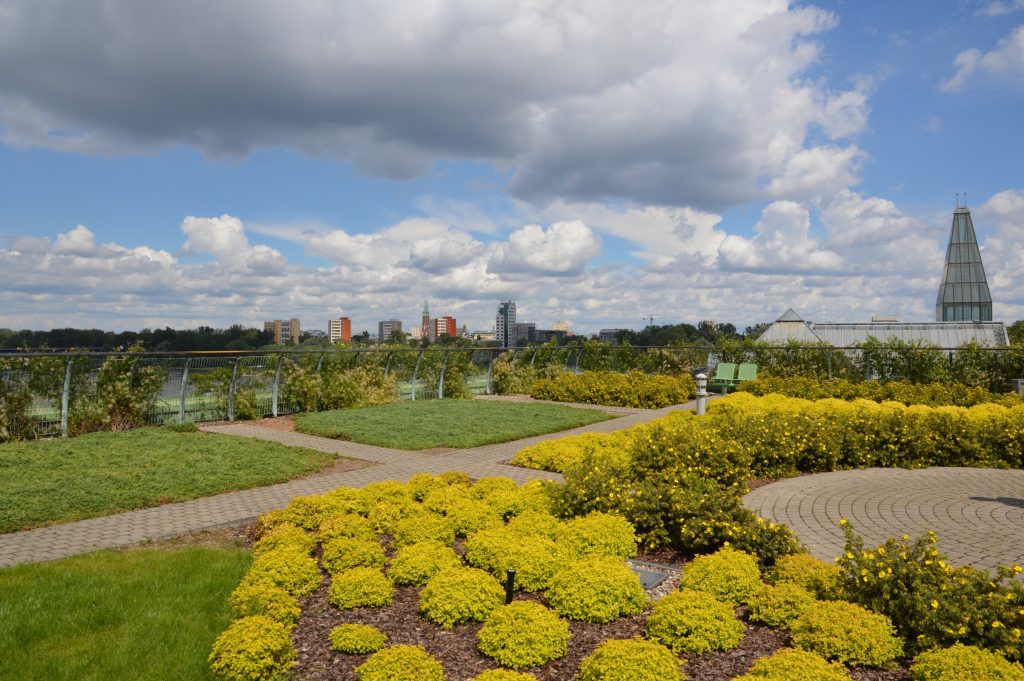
(285, 330)
(445, 326)
(339, 329)
(963, 291)
(526, 332)
(505, 324)
(386, 330)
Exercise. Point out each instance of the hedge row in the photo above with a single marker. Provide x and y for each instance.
(931, 394)
(634, 389)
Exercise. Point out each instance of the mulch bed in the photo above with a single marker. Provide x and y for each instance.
(456, 648)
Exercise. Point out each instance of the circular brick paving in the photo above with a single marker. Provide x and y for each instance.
(977, 513)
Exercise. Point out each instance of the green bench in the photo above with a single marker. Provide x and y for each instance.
(728, 376)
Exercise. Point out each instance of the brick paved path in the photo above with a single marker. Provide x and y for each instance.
(239, 508)
(978, 514)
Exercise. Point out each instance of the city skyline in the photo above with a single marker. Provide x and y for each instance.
(596, 163)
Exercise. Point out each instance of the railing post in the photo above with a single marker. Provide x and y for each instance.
(387, 365)
(702, 394)
(416, 373)
(490, 374)
(65, 399)
(534, 358)
(184, 391)
(440, 382)
(231, 389)
(277, 385)
(579, 356)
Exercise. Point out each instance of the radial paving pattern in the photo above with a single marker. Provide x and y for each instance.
(978, 514)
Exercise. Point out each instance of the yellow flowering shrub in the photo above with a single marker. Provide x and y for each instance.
(357, 639)
(386, 513)
(597, 589)
(964, 663)
(422, 484)
(285, 535)
(535, 522)
(556, 455)
(417, 563)
(534, 557)
(471, 515)
(804, 570)
(401, 663)
(361, 587)
(504, 675)
(423, 527)
(294, 570)
(386, 490)
(523, 634)
(633, 389)
(442, 499)
(264, 598)
(345, 553)
(847, 633)
(631, 660)
(598, 533)
(460, 595)
(777, 605)
(694, 622)
(728, 575)
(350, 525)
(253, 648)
(790, 664)
(345, 500)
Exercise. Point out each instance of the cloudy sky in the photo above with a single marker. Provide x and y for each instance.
(187, 162)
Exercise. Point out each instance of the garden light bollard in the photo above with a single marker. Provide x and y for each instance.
(702, 394)
(1018, 386)
(510, 585)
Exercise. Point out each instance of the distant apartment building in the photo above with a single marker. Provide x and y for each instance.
(610, 335)
(386, 330)
(505, 324)
(526, 332)
(285, 330)
(561, 326)
(339, 329)
(445, 326)
(544, 335)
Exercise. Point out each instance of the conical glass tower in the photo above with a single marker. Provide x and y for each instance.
(963, 292)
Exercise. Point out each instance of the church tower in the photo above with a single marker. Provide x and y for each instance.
(963, 291)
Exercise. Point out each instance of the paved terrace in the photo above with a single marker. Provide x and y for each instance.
(240, 508)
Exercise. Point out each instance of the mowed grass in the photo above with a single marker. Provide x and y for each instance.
(48, 481)
(425, 424)
(142, 614)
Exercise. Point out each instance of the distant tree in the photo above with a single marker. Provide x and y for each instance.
(1016, 332)
(753, 332)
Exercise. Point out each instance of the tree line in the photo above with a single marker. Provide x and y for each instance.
(236, 337)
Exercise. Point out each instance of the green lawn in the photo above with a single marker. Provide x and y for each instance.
(49, 481)
(143, 614)
(424, 424)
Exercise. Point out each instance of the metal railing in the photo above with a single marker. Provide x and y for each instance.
(200, 386)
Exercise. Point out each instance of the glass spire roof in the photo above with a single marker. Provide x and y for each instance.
(963, 292)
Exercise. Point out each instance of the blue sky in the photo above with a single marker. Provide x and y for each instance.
(180, 164)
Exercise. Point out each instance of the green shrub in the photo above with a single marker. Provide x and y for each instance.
(523, 634)
(362, 386)
(631, 660)
(266, 599)
(596, 589)
(417, 563)
(362, 587)
(930, 602)
(401, 663)
(848, 633)
(253, 648)
(345, 553)
(285, 535)
(790, 664)
(964, 663)
(634, 389)
(350, 525)
(357, 639)
(423, 527)
(598, 533)
(460, 595)
(504, 675)
(778, 605)
(728, 575)
(931, 394)
(535, 522)
(292, 569)
(694, 622)
(534, 558)
(471, 515)
(186, 427)
(385, 514)
(803, 569)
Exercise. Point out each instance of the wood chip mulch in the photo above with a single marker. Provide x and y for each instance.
(456, 648)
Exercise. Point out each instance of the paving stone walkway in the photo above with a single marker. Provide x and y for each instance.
(240, 508)
(977, 513)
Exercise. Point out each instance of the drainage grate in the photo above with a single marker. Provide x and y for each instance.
(649, 579)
